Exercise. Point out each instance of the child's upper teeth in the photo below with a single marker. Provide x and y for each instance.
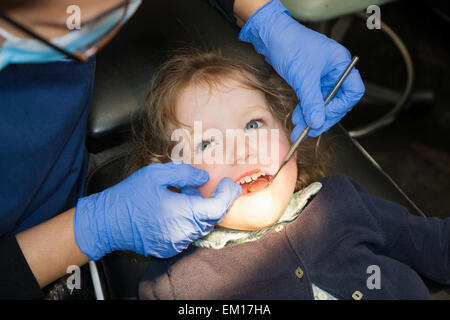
(254, 176)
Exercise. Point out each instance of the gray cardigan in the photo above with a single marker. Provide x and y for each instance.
(337, 242)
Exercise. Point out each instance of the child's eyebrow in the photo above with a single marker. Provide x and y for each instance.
(246, 113)
(256, 109)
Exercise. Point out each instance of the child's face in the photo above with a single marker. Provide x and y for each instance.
(231, 106)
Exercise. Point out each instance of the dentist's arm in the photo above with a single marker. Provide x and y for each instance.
(244, 9)
(310, 62)
(50, 247)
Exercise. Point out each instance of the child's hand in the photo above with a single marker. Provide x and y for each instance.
(140, 214)
(310, 63)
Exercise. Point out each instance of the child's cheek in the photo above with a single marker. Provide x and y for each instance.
(278, 147)
(284, 148)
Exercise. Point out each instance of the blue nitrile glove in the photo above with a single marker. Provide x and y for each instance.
(140, 214)
(310, 63)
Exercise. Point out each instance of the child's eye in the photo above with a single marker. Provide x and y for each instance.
(205, 144)
(253, 124)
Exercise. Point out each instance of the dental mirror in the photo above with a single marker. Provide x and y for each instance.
(258, 184)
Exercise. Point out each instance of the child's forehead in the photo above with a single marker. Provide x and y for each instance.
(227, 97)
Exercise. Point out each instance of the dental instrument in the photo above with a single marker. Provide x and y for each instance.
(262, 182)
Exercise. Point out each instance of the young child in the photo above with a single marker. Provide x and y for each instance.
(305, 236)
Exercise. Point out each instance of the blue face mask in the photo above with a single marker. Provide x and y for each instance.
(19, 50)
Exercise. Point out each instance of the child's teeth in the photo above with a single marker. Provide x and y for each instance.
(251, 178)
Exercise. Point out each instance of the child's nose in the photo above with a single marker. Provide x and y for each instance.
(244, 150)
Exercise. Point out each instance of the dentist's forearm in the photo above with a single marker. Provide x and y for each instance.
(243, 9)
(50, 248)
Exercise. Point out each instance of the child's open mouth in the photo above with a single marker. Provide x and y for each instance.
(254, 181)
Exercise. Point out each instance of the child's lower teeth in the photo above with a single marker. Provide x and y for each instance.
(258, 184)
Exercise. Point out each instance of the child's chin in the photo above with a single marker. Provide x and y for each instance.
(249, 223)
(261, 225)
(258, 211)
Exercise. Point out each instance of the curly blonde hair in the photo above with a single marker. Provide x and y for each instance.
(157, 120)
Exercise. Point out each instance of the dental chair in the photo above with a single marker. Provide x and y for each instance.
(124, 69)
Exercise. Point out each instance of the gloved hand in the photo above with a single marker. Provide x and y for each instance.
(140, 214)
(310, 63)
